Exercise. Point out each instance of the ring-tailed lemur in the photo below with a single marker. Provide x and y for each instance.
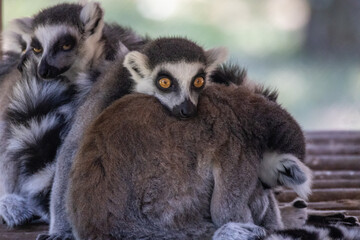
(157, 177)
(93, 45)
(80, 47)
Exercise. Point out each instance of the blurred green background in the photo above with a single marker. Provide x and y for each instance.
(308, 50)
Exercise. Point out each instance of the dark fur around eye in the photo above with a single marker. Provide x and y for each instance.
(202, 74)
(66, 39)
(166, 74)
(22, 42)
(35, 43)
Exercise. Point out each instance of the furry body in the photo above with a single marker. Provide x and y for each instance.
(156, 177)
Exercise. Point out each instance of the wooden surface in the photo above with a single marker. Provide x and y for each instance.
(335, 158)
(28, 232)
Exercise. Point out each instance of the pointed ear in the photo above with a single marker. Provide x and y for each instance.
(17, 37)
(91, 16)
(215, 56)
(24, 25)
(137, 64)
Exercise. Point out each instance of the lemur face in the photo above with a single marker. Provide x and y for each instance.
(55, 47)
(176, 85)
(175, 71)
(66, 39)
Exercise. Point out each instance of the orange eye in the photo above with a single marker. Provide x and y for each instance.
(165, 82)
(37, 50)
(66, 47)
(199, 82)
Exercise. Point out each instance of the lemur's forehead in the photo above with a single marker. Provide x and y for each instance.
(165, 50)
(65, 13)
(48, 34)
(182, 70)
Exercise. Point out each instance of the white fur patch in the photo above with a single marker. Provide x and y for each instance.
(274, 163)
(39, 181)
(137, 65)
(92, 47)
(239, 231)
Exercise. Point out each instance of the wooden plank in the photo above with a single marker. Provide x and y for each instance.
(329, 162)
(336, 174)
(332, 137)
(337, 183)
(343, 204)
(26, 232)
(327, 149)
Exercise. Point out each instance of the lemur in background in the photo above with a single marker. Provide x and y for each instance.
(67, 41)
(81, 47)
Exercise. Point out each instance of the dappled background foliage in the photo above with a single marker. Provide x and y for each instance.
(308, 49)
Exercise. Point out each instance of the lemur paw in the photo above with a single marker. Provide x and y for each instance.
(14, 210)
(63, 236)
(239, 231)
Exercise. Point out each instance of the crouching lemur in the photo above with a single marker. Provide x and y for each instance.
(140, 173)
(61, 51)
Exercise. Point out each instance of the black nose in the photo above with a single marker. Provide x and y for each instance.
(185, 110)
(48, 71)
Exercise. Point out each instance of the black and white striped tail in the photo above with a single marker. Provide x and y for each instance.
(36, 121)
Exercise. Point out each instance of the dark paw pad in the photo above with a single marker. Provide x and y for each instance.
(300, 204)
